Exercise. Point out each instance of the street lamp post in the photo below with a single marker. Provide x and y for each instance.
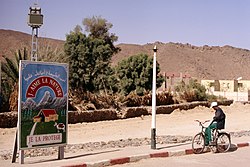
(153, 125)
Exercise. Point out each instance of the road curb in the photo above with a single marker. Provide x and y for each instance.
(242, 144)
(135, 158)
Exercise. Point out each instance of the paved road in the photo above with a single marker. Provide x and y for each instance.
(236, 158)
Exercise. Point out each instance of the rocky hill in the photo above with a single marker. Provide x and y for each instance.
(206, 62)
(11, 41)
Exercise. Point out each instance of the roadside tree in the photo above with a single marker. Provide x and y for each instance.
(136, 73)
(90, 55)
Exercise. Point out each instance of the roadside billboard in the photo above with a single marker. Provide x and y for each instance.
(43, 104)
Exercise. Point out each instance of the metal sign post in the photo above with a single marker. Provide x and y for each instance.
(153, 126)
(35, 21)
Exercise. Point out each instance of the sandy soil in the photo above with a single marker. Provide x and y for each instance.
(178, 123)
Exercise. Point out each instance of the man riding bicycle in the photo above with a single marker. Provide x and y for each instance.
(217, 123)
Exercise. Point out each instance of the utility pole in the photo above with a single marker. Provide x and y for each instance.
(153, 125)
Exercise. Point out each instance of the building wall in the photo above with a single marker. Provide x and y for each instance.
(172, 79)
(224, 85)
(231, 89)
(228, 85)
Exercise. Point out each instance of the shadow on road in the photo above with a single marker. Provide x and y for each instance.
(89, 154)
(233, 148)
(71, 157)
(174, 145)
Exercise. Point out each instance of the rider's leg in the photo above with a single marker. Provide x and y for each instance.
(208, 134)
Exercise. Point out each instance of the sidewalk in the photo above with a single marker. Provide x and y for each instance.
(118, 155)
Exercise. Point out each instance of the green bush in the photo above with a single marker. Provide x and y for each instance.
(134, 100)
(136, 73)
(211, 98)
(193, 91)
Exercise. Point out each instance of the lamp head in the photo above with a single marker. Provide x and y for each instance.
(155, 49)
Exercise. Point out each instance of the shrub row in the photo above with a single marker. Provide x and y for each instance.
(9, 119)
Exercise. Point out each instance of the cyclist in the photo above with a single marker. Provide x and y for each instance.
(217, 123)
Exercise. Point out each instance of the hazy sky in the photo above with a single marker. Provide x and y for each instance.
(198, 22)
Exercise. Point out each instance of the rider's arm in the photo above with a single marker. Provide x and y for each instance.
(217, 116)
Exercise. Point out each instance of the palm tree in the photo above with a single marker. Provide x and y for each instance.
(51, 52)
(10, 69)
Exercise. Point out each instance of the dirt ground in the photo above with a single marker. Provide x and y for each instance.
(178, 123)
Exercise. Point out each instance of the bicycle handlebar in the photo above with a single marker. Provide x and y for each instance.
(202, 123)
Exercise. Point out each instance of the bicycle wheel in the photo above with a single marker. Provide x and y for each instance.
(223, 142)
(198, 143)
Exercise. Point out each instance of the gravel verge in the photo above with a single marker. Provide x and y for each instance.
(93, 146)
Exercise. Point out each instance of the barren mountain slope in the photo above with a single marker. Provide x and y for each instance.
(11, 41)
(206, 62)
(202, 62)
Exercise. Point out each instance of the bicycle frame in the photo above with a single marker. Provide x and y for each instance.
(202, 125)
(214, 133)
(221, 140)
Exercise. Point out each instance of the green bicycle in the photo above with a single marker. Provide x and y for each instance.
(221, 140)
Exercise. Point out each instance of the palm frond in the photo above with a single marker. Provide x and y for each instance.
(10, 69)
(25, 54)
